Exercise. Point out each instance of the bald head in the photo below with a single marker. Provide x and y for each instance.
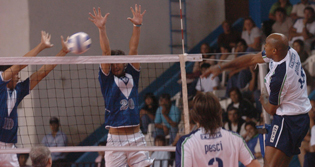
(279, 42)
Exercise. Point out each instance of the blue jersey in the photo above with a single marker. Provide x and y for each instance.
(121, 98)
(9, 101)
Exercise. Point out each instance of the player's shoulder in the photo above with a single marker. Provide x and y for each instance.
(230, 134)
(183, 140)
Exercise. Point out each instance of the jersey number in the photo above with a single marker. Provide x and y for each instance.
(302, 79)
(218, 160)
(127, 103)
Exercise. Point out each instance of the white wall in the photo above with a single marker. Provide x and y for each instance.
(81, 109)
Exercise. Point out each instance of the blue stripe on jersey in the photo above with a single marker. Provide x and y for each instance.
(276, 84)
(179, 154)
(263, 53)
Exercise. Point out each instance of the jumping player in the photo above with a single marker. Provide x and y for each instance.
(12, 92)
(119, 85)
(287, 101)
(210, 144)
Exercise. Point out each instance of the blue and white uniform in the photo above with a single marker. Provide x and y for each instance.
(9, 100)
(286, 86)
(121, 110)
(224, 148)
(121, 98)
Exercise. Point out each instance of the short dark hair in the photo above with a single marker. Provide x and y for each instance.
(243, 42)
(166, 96)
(102, 143)
(237, 90)
(310, 9)
(235, 109)
(117, 52)
(251, 123)
(54, 120)
(159, 138)
(25, 154)
(225, 46)
(205, 65)
(300, 42)
(4, 67)
(282, 10)
(207, 112)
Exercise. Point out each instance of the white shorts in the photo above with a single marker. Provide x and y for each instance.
(122, 159)
(8, 160)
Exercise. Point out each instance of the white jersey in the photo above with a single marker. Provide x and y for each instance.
(286, 84)
(199, 149)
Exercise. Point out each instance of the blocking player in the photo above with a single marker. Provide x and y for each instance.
(286, 98)
(12, 92)
(210, 144)
(119, 85)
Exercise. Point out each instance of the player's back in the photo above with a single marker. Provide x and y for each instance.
(225, 148)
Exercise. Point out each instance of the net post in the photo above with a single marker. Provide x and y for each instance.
(182, 61)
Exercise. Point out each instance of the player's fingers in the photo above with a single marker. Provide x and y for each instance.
(99, 11)
(94, 10)
(136, 7)
(92, 15)
(132, 11)
(143, 12)
(92, 20)
(106, 15)
(139, 9)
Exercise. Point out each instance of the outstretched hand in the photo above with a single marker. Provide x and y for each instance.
(64, 44)
(45, 41)
(137, 15)
(98, 19)
(214, 70)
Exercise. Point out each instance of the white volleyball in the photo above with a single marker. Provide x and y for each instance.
(79, 43)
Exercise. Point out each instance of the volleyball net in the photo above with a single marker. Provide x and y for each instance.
(71, 92)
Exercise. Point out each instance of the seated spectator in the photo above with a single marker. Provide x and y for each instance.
(298, 46)
(181, 128)
(161, 158)
(283, 4)
(303, 29)
(167, 118)
(283, 22)
(147, 113)
(252, 35)
(56, 139)
(245, 108)
(23, 159)
(298, 9)
(235, 123)
(207, 84)
(40, 156)
(225, 51)
(229, 37)
(100, 159)
(205, 50)
(252, 140)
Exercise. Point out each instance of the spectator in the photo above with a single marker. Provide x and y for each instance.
(252, 35)
(235, 123)
(298, 45)
(205, 50)
(252, 141)
(229, 37)
(283, 23)
(298, 9)
(161, 158)
(147, 113)
(225, 52)
(40, 156)
(56, 139)
(207, 84)
(23, 159)
(181, 128)
(167, 118)
(283, 4)
(304, 29)
(100, 160)
(245, 108)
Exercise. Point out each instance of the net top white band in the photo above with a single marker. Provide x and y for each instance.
(91, 149)
(97, 59)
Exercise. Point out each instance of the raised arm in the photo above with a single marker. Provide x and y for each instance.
(134, 41)
(239, 62)
(100, 22)
(15, 69)
(36, 77)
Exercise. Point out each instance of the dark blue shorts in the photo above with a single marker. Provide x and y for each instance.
(287, 132)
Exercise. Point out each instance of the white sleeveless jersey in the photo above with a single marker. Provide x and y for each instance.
(225, 148)
(286, 84)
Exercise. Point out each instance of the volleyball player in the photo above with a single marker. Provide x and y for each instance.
(286, 100)
(12, 92)
(119, 86)
(210, 144)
